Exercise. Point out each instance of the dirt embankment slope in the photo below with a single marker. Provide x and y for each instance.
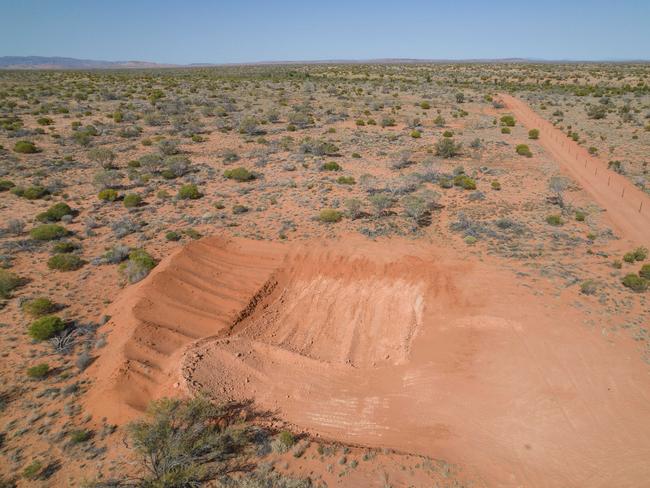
(386, 344)
(627, 206)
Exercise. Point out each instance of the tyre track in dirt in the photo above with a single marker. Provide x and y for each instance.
(628, 207)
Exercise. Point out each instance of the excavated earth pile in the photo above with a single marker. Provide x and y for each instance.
(386, 344)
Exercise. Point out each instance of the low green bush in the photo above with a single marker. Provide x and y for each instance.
(132, 200)
(39, 371)
(33, 470)
(31, 193)
(37, 307)
(8, 283)
(464, 182)
(79, 436)
(48, 232)
(330, 215)
(446, 148)
(286, 438)
(523, 150)
(63, 247)
(172, 236)
(554, 220)
(46, 327)
(108, 195)
(644, 272)
(639, 254)
(635, 282)
(588, 287)
(25, 147)
(533, 134)
(346, 180)
(580, 216)
(240, 174)
(508, 121)
(331, 166)
(138, 266)
(495, 185)
(6, 185)
(189, 192)
(65, 262)
(55, 213)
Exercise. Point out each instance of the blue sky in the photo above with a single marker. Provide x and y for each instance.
(245, 31)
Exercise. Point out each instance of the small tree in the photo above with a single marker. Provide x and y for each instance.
(186, 443)
(447, 148)
(102, 156)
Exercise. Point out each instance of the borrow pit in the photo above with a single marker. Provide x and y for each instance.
(385, 344)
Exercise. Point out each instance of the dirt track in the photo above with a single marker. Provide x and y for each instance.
(627, 206)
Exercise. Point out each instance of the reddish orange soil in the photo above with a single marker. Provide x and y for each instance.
(629, 207)
(395, 344)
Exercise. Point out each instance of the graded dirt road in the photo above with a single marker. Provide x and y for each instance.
(627, 206)
(392, 344)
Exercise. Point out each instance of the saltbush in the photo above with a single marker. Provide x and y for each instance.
(533, 134)
(464, 182)
(65, 262)
(635, 282)
(138, 266)
(189, 192)
(55, 213)
(346, 180)
(108, 195)
(37, 307)
(446, 148)
(239, 174)
(330, 215)
(554, 220)
(644, 272)
(46, 327)
(132, 200)
(8, 283)
(508, 121)
(31, 193)
(523, 150)
(6, 185)
(39, 371)
(48, 232)
(331, 166)
(25, 147)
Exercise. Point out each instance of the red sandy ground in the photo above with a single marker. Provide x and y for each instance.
(396, 344)
(390, 344)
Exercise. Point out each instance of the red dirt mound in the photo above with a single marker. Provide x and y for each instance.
(389, 345)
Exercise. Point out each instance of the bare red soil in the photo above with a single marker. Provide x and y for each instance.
(390, 344)
(629, 207)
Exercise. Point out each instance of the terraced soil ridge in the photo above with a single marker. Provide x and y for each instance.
(386, 344)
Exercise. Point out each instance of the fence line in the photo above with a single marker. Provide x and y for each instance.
(549, 130)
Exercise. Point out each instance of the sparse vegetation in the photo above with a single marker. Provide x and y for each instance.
(46, 327)
(330, 215)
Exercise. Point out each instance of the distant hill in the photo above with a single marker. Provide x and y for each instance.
(43, 62)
